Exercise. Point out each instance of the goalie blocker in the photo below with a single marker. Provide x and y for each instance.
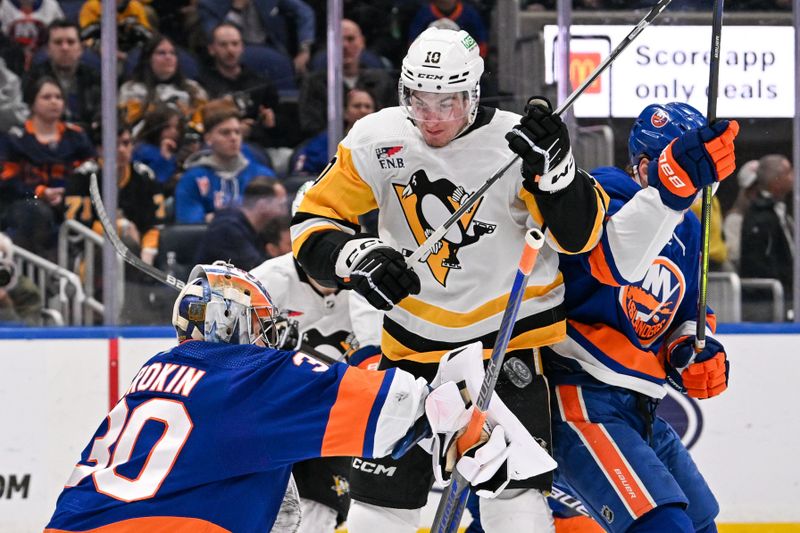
(407, 481)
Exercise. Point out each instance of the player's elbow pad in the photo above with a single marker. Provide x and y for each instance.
(571, 214)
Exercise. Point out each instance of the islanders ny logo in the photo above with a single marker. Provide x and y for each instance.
(650, 305)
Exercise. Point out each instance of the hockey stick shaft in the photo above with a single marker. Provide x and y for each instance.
(160, 275)
(705, 214)
(119, 246)
(440, 232)
(451, 506)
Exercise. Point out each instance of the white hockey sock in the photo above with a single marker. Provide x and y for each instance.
(517, 511)
(366, 518)
(317, 518)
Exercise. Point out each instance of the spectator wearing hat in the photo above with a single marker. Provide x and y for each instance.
(732, 225)
(20, 299)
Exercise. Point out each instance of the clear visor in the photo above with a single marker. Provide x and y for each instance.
(424, 106)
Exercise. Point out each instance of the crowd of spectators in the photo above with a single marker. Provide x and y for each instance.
(223, 110)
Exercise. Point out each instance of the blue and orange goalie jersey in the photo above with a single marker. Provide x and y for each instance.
(206, 434)
(632, 292)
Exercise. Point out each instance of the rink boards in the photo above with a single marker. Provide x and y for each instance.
(56, 385)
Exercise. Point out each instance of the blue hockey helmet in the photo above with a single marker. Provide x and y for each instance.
(221, 303)
(657, 125)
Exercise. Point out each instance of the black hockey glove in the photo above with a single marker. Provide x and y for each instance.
(376, 271)
(541, 139)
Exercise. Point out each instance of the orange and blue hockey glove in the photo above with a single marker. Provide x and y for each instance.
(696, 159)
(697, 374)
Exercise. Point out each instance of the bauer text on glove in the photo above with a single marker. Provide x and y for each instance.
(696, 159)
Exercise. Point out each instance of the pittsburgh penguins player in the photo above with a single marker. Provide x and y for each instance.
(417, 163)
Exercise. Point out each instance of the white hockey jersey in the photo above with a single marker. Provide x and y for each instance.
(334, 324)
(384, 162)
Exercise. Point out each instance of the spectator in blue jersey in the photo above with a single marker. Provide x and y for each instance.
(312, 156)
(216, 178)
(631, 306)
(36, 160)
(235, 233)
(223, 416)
(264, 22)
(81, 83)
(462, 14)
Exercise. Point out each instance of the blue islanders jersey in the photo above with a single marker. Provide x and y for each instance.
(205, 437)
(635, 289)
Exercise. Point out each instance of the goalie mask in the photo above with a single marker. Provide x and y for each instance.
(440, 77)
(221, 303)
(657, 126)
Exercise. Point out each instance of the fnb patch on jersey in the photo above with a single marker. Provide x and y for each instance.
(386, 157)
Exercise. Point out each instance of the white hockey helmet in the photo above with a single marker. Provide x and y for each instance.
(221, 303)
(444, 62)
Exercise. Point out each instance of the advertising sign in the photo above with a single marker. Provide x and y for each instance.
(671, 63)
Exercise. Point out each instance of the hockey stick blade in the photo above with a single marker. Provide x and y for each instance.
(119, 246)
(705, 211)
(437, 235)
(451, 506)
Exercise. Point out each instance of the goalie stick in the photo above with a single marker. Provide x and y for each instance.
(437, 235)
(705, 213)
(454, 498)
(160, 275)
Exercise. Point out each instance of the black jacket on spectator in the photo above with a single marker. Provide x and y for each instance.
(230, 237)
(83, 100)
(250, 91)
(766, 244)
(314, 95)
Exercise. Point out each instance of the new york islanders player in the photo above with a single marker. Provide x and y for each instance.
(631, 310)
(417, 163)
(205, 436)
(339, 324)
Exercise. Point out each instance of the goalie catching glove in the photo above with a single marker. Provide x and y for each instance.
(698, 158)
(505, 450)
(697, 374)
(376, 271)
(541, 139)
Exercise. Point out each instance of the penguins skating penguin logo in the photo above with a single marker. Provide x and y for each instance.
(426, 205)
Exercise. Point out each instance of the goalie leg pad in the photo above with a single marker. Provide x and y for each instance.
(517, 511)
(366, 518)
(316, 517)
